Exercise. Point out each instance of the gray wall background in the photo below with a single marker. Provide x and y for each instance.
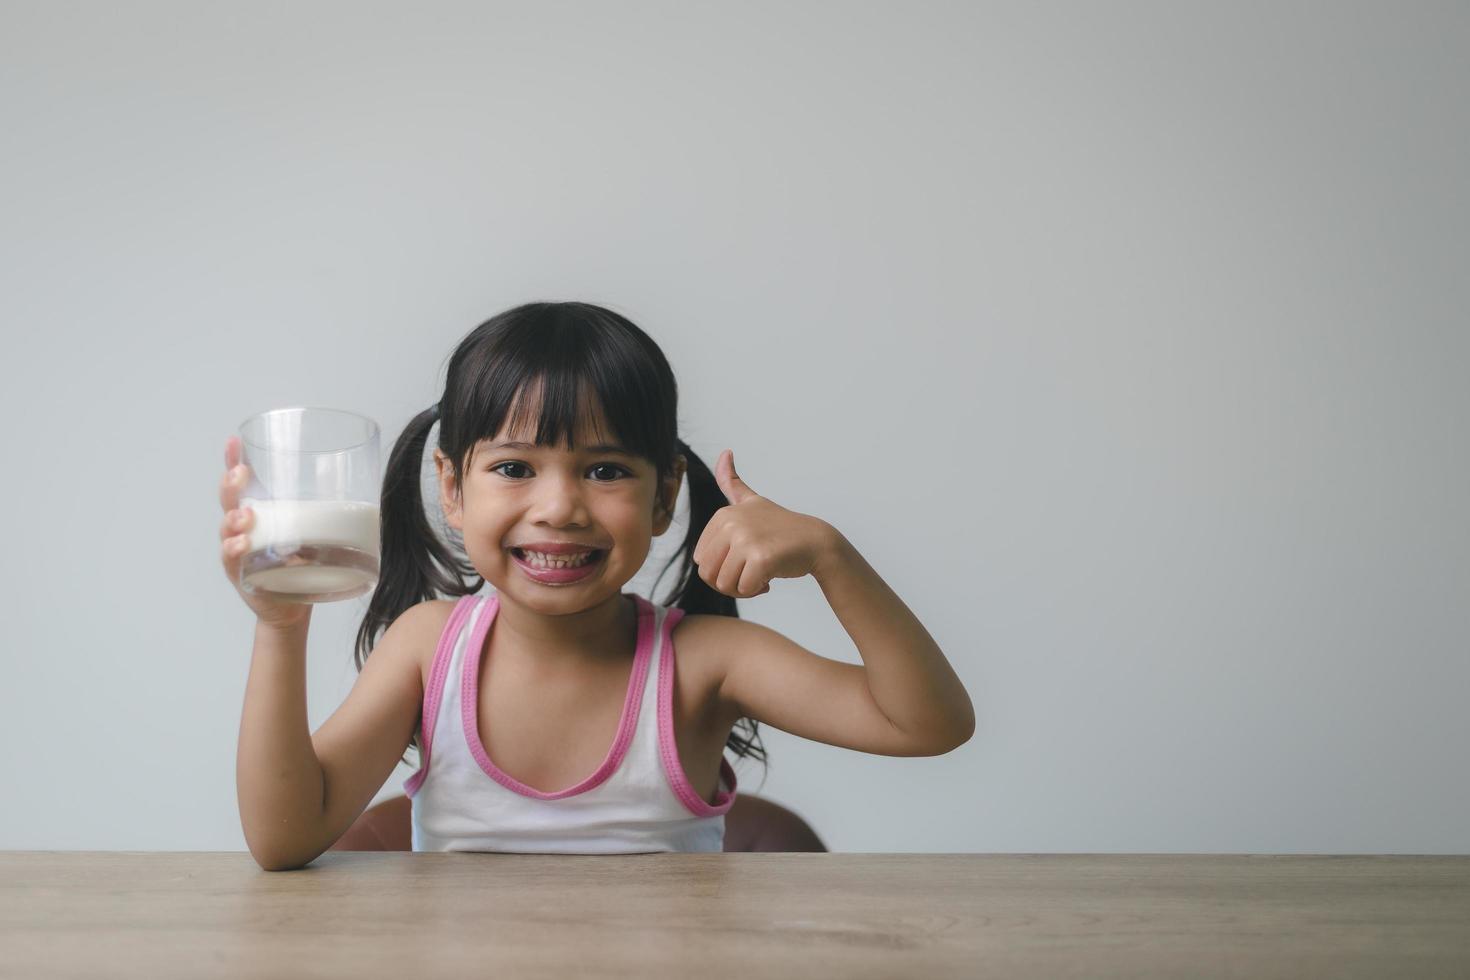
(1126, 341)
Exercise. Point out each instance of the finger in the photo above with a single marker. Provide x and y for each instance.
(728, 580)
(237, 521)
(752, 581)
(714, 561)
(229, 489)
(711, 542)
(734, 488)
(697, 554)
(232, 451)
(231, 551)
(234, 482)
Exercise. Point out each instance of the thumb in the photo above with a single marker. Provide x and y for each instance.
(734, 488)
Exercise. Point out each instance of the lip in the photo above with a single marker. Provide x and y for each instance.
(559, 576)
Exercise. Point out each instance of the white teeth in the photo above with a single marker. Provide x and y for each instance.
(538, 560)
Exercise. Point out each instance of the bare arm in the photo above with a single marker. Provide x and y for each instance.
(908, 675)
(278, 778)
(299, 792)
(905, 700)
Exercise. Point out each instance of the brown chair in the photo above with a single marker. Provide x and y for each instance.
(751, 824)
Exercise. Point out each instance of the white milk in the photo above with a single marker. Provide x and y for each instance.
(312, 550)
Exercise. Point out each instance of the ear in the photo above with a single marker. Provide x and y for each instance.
(449, 498)
(668, 495)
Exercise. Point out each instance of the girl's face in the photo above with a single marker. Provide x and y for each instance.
(520, 494)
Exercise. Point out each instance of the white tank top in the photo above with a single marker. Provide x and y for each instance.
(637, 801)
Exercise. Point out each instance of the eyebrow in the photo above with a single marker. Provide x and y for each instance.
(528, 447)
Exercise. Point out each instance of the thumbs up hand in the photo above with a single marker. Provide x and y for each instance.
(754, 540)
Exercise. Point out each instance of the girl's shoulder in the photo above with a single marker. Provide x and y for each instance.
(713, 644)
(707, 632)
(426, 615)
(703, 642)
(424, 624)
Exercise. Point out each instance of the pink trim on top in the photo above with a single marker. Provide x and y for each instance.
(435, 690)
(668, 749)
(470, 715)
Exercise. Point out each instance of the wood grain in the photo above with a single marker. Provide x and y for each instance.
(364, 914)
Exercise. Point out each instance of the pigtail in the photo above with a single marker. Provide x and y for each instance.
(415, 564)
(694, 595)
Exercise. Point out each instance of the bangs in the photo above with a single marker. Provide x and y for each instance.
(561, 413)
(567, 377)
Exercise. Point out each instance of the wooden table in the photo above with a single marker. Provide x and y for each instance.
(364, 914)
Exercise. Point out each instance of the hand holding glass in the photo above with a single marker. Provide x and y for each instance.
(313, 487)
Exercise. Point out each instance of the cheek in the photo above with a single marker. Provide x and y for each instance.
(622, 519)
(483, 527)
(632, 513)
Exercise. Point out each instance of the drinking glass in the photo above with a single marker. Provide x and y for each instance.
(314, 484)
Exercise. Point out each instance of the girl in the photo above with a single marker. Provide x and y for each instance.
(558, 463)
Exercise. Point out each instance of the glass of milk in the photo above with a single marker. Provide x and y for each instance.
(313, 486)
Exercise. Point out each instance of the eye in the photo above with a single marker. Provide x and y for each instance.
(610, 466)
(497, 469)
(604, 472)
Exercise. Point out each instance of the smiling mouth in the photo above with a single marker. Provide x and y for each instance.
(558, 561)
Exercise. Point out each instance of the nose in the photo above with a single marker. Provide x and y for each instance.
(558, 501)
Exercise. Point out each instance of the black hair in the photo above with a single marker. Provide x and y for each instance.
(572, 351)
